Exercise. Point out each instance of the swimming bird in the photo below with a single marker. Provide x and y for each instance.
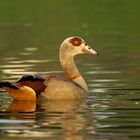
(71, 86)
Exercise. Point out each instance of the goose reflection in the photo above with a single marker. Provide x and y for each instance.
(59, 105)
(53, 117)
(65, 116)
(22, 106)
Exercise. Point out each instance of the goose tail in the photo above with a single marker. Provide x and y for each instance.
(6, 84)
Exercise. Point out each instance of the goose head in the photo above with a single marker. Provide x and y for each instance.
(75, 45)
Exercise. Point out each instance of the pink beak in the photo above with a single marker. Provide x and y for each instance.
(89, 50)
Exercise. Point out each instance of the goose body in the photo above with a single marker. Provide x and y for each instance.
(72, 86)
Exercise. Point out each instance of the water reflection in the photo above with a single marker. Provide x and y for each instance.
(52, 118)
(65, 116)
(22, 106)
(95, 117)
(13, 67)
(31, 49)
(16, 66)
(46, 106)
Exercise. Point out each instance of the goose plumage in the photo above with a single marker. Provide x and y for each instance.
(71, 86)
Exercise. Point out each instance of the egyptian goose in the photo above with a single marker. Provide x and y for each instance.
(72, 86)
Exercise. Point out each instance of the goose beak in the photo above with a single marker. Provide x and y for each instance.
(87, 49)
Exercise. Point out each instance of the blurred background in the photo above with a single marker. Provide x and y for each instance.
(31, 32)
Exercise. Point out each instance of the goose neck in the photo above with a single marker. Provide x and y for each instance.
(70, 69)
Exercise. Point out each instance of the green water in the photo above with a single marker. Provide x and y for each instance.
(30, 35)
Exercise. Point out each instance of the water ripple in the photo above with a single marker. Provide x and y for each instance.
(102, 72)
(15, 121)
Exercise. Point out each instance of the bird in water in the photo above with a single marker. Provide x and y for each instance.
(71, 86)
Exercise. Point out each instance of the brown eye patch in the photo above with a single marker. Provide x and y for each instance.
(76, 41)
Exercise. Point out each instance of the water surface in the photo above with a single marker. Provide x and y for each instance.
(30, 36)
